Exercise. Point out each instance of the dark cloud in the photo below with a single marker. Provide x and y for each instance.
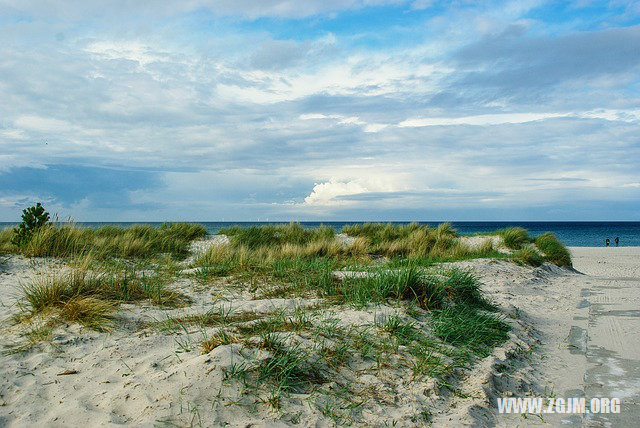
(70, 184)
(513, 60)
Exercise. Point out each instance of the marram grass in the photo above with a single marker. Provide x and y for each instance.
(89, 295)
(256, 250)
(138, 241)
(514, 238)
(554, 250)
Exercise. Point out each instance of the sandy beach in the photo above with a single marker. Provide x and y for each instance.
(589, 329)
(574, 333)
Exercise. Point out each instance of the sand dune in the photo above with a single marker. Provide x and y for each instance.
(573, 332)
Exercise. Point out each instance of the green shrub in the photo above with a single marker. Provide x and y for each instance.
(554, 250)
(33, 218)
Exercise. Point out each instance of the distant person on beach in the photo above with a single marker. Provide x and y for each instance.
(617, 241)
(606, 242)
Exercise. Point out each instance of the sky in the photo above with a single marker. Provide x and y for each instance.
(315, 110)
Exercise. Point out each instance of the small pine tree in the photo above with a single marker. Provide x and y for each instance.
(32, 218)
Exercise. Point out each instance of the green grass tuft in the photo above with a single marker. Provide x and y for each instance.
(528, 256)
(462, 325)
(290, 368)
(554, 250)
(88, 296)
(430, 291)
(514, 237)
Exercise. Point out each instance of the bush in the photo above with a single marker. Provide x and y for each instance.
(554, 250)
(33, 218)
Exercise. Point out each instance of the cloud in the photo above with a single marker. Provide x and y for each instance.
(513, 60)
(319, 109)
(421, 4)
(70, 184)
(561, 179)
(506, 118)
(340, 193)
(342, 120)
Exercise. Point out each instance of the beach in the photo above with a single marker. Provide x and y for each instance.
(574, 332)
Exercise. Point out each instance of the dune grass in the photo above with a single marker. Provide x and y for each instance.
(518, 239)
(514, 237)
(554, 250)
(276, 235)
(412, 240)
(289, 367)
(6, 235)
(89, 296)
(528, 256)
(432, 290)
(465, 325)
(137, 241)
(457, 326)
(220, 338)
(286, 251)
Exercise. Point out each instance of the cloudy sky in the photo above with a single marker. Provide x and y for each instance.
(321, 109)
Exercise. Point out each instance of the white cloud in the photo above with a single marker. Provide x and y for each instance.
(421, 4)
(40, 124)
(131, 50)
(507, 118)
(342, 120)
(354, 177)
(325, 193)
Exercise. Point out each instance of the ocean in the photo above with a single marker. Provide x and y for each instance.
(572, 233)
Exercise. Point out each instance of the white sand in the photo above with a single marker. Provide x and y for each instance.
(572, 332)
(589, 327)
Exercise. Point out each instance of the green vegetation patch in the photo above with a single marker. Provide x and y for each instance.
(463, 325)
(554, 250)
(254, 237)
(88, 296)
(514, 237)
(430, 291)
(138, 241)
(528, 256)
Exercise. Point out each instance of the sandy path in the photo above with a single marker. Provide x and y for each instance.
(591, 336)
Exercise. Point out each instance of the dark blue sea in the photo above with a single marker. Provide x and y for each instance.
(575, 234)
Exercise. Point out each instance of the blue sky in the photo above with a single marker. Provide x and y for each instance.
(321, 110)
